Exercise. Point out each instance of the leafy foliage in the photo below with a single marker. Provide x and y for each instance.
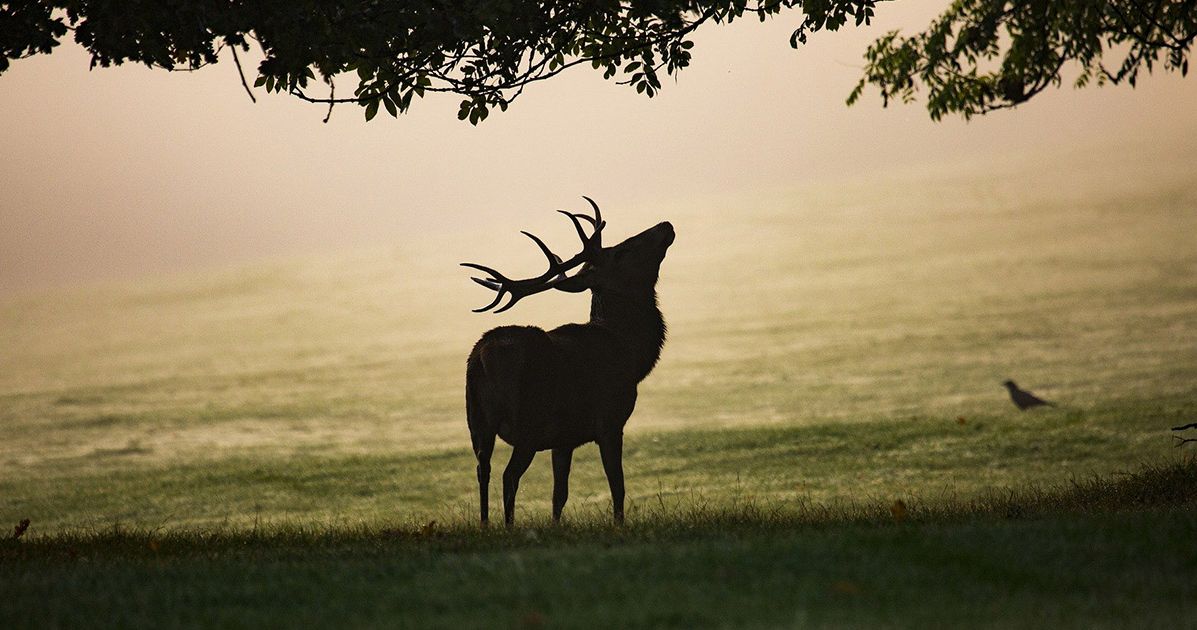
(487, 51)
(983, 55)
(978, 56)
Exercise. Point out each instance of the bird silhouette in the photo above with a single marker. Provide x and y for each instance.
(1023, 399)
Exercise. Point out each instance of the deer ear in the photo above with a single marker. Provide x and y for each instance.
(579, 282)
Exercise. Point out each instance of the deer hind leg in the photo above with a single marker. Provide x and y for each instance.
(484, 447)
(562, 457)
(611, 451)
(521, 458)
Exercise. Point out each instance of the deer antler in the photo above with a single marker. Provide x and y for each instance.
(519, 289)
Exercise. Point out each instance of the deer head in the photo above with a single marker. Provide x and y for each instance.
(629, 268)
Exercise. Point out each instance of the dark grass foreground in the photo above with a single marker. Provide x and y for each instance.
(1100, 552)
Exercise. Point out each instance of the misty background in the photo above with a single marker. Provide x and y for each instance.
(125, 172)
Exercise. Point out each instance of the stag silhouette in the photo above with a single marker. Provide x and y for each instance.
(559, 389)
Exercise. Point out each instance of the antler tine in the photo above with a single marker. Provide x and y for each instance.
(598, 214)
(494, 275)
(490, 284)
(577, 226)
(498, 296)
(514, 298)
(599, 224)
(585, 217)
(554, 259)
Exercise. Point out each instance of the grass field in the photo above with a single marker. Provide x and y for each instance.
(286, 443)
(1096, 553)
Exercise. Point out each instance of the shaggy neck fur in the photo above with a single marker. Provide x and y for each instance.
(637, 320)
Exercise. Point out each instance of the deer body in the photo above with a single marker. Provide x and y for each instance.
(556, 390)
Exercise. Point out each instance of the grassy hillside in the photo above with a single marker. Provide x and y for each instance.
(824, 343)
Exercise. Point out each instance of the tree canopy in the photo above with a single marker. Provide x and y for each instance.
(979, 55)
(982, 55)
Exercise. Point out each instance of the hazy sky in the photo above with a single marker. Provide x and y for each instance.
(124, 171)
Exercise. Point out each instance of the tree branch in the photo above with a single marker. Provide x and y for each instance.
(241, 73)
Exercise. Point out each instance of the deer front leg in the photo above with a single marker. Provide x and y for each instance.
(521, 458)
(611, 451)
(562, 457)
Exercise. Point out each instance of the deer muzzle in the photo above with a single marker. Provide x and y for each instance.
(664, 231)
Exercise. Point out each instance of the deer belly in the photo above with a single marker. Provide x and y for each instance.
(547, 432)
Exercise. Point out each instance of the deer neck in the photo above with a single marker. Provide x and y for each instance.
(636, 320)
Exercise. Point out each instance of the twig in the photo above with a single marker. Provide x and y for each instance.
(1180, 441)
(332, 94)
(244, 84)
